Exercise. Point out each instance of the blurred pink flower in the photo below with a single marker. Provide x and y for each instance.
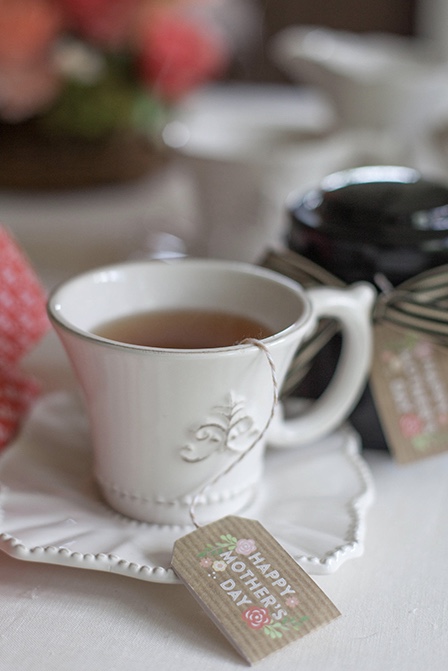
(105, 22)
(177, 54)
(27, 29)
(25, 89)
(162, 47)
(27, 80)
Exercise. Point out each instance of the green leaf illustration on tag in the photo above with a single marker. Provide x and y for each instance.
(276, 629)
(228, 542)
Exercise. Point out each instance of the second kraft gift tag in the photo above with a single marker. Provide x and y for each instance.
(251, 588)
(408, 379)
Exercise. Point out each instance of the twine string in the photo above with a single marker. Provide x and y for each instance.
(263, 348)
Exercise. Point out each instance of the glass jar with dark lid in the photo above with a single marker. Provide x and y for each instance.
(369, 220)
(365, 222)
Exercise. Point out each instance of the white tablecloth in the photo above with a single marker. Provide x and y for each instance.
(393, 599)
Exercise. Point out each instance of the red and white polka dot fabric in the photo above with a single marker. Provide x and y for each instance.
(23, 321)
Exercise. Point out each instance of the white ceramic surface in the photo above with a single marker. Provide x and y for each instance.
(221, 121)
(230, 140)
(376, 80)
(314, 501)
(169, 425)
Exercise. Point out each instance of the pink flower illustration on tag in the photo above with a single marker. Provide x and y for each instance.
(411, 425)
(227, 542)
(443, 419)
(245, 546)
(259, 619)
(387, 355)
(206, 562)
(256, 617)
(391, 360)
(219, 565)
(423, 349)
(292, 601)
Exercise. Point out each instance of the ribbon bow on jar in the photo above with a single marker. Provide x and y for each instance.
(419, 304)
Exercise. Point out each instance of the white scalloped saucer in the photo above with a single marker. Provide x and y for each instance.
(313, 500)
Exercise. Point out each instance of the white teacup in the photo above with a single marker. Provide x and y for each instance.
(166, 422)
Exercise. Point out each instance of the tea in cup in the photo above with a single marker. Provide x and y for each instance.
(180, 363)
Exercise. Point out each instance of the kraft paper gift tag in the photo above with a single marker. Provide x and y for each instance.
(251, 588)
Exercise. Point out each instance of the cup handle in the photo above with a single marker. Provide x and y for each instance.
(352, 308)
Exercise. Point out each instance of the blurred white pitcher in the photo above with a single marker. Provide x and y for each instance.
(230, 139)
(375, 80)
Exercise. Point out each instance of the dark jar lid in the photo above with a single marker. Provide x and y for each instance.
(372, 219)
